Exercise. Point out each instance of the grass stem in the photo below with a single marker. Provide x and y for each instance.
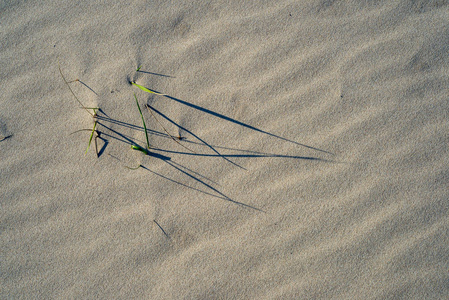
(143, 121)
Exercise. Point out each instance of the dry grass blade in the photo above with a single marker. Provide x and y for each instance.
(133, 168)
(149, 109)
(68, 85)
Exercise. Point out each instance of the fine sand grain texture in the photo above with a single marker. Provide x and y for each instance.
(313, 163)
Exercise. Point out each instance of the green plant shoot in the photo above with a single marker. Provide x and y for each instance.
(143, 121)
(146, 90)
(91, 136)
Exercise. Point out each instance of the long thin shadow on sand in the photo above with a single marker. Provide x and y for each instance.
(2, 138)
(121, 137)
(213, 192)
(258, 155)
(194, 176)
(130, 140)
(157, 74)
(87, 87)
(252, 153)
(225, 156)
(221, 116)
(211, 187)
(127, 125)
(194, 135)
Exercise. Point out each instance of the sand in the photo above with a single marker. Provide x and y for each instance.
(319, 138)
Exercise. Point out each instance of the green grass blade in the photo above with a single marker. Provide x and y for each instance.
(143, 121)
(138, 68)
(91, 136)
(138, 148)
(146, 90)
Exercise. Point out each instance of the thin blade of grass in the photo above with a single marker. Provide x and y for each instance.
(143, 121)
(132, 168)
(91, 135)
(149, 109)
(146, 89)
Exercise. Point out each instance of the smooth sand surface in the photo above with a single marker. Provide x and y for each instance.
(320, 133)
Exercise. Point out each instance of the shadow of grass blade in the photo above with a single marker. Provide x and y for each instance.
(5, 137)
(149, 109)
(143, 121)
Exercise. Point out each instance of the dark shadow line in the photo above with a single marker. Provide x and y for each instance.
(157, 155)
(203, 143)
(127, 140)
(218, 115)
(105, 144)
(261, 154)
(87, 87)
(228, 148)
(182, 184)
(126, 125)
(188, 131)
(157, 74)
(113, 121)
(214, 189)
(131, 126)
(113, 137)
(246, 155)
(5, 137)
(196, 173)
(124, 139)
(161, 229)
(101, 111)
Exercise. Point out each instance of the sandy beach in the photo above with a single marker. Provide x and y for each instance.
(297, 149)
